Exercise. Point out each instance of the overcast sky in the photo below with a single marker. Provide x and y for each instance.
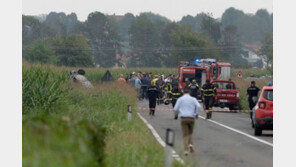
(172, 9)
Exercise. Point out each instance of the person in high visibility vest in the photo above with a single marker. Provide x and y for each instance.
(176, 93)
(193, 88)
(208, 90)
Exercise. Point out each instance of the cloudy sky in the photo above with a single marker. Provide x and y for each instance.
(173, 9)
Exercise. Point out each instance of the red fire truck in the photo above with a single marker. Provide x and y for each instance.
(218, 73)
(202, 70)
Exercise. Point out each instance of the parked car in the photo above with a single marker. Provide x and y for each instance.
(263, 111)
(227, 94)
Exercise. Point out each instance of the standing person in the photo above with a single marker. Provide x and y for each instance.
(132, 80)
(121, 79)
(193, 88)
(127, 77)
(138, 85)
(252, 92)
(149, 79)
(176, 93)
(208, 90)
(152, 93)
(187, 82)
(187, 108)
(144, 86)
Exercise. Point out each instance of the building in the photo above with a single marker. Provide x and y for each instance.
(251, 54)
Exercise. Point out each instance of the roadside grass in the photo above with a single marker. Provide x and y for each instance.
(243, 84)
(250, 71)
(83, 127)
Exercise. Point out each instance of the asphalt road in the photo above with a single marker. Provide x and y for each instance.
(216, 145)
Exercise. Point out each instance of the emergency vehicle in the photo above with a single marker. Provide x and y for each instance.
(203, 69)
(227, 94)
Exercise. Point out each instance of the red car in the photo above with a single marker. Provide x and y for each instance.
(227, 94)
(263, 111)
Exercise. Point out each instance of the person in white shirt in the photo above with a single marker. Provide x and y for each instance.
(188, 108)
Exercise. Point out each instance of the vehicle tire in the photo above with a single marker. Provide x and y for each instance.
(257, 131)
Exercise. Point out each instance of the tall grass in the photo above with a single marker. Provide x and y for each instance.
(243, 83)
(86, 127)
(42, 89)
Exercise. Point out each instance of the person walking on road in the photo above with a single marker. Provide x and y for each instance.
(252, 92)
(188, 109)
(152, 93)
(208, 90)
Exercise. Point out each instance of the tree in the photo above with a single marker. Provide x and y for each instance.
(39, 52)
(231, 47)
(31, 30)
(124, 26)
(145, 41)
(102, 34)
(252, 28)
(188, 45)
(267, 49)
(211, 27)
(73, 50)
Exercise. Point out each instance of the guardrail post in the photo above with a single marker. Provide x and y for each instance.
(129, 112)
(169, 140)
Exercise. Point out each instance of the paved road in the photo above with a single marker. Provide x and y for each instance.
(215, 145)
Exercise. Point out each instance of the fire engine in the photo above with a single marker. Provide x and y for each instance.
(203, 69)
(218, 73)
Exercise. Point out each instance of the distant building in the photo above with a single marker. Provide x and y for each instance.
(251, 54)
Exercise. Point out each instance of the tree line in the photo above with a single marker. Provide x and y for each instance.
(145, 40)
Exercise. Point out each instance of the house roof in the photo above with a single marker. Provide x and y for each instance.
(254, 48)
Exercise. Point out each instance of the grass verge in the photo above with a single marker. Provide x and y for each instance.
(82, 127)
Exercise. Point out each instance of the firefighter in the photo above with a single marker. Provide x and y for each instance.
(160, 85)
(176, 93)
(168, 92)
(152, 93)
(208, 90)
(252, 92)
(187, 82)
(193, 88)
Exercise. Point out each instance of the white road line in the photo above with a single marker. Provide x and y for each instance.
(238, 131)
(158, 138)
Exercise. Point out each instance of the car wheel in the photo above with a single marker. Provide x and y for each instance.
(257, 131)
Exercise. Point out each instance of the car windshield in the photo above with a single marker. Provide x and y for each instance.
(268, 95)
(224, 85)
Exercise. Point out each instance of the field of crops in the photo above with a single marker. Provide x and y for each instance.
(65, 124)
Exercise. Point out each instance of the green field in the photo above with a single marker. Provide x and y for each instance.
(65, 124)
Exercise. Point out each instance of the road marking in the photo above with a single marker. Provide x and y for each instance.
(238, 131)
(158, 138)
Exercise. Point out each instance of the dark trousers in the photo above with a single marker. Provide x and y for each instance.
(209, 102)
(174, 102)
(144, 92)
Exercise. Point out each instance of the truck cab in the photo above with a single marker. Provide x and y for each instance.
(192, 72)
(227, 94)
